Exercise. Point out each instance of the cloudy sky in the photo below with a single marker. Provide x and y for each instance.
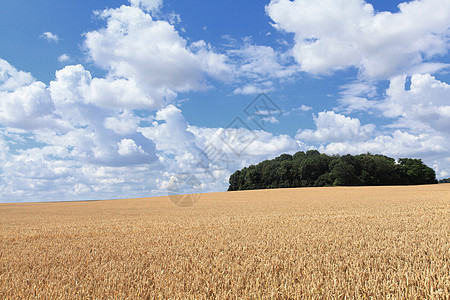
(113, 99)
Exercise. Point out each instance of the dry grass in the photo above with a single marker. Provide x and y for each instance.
(361, 242)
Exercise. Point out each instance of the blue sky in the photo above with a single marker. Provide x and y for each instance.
(115, 99)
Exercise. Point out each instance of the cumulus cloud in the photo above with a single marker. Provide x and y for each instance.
(85, 135)
(128, 147)
(420, 106)
(333, 35)
(63, 58)
(24, 103)
(426, 101)
(332, 127)
(35, 175)
(175, 142)
(133, 45)
(229, 149)
(68, 86)
(115, 93)
(241, 146)
(11, 78)
(66, 127)
(124, 123)
(211, 154)
(152, 54)
(170, 130)
(49, 36)
(75, 84)
(397, 144)
(215, 65)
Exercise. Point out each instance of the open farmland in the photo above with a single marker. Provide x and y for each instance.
(384, 242)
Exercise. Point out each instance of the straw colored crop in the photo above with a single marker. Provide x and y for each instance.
(358, 242)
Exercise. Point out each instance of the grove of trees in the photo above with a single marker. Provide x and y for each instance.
(315, 169)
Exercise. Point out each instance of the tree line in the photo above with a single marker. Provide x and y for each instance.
(313, 169)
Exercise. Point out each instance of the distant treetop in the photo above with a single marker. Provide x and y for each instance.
(315, 169)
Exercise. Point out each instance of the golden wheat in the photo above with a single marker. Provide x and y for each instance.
(359, 242)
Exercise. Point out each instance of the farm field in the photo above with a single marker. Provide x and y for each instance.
(338, 242)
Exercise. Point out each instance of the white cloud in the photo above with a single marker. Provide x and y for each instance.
(230, 149)
(11, 78)
(262, 62)
(69, 85)
(124, 124)
(63, 115)
(355, 96)
(241, 145)
(133, 45)
(171, 133)
(151, 53)
(259, 67)
(426, 101)
(74, 84)
(214, 64)
(49, 36)
(301, 108)
(147, 5)
(266, 115)
(333, 35)
(128, 147)
(35, 175)
(211, 154)
(27, 107)
(269, 145)
(118, 93)
(421, 107)
(256, 88)
(63, 58)
(332, 127)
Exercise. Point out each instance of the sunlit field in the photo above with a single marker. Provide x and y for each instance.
(345, 242)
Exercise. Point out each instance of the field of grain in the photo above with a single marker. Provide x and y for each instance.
(345, 242)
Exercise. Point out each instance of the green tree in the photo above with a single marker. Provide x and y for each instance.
(234, 181)
(284, 174)
(417, 172)
(312, 167)
(315, 169)
(344, 172)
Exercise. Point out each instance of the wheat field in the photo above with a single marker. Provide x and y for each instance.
(334, 243)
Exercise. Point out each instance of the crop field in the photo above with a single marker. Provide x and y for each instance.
(338, 243)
